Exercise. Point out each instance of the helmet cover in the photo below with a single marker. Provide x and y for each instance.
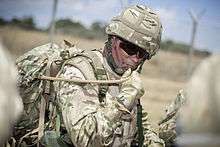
(138, 25)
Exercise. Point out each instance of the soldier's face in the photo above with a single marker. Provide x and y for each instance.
(126, 55)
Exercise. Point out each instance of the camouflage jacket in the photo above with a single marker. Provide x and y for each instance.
(87, 121)
(73, 110)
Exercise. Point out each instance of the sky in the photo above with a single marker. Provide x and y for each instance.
(174, 14)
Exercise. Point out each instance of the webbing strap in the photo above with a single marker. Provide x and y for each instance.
(41, 119)
(44, 103)
(139, 124)
(100, 73)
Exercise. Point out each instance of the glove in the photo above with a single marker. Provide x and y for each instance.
(167, 132)
(131, 90)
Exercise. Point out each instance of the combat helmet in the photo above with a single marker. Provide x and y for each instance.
(138, 25)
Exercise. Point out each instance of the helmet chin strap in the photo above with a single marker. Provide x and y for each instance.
(140, 66)
(139, 69)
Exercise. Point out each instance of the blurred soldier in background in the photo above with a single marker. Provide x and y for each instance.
(200, 118)
(90, 114)
(10, 101)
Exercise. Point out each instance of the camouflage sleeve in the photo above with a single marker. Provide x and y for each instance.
(88, 123)
(167, 126)
(151, 137)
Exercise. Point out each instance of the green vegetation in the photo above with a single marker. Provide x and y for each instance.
(26, 23)
(67, 26)
(95, 31)
(169, 45)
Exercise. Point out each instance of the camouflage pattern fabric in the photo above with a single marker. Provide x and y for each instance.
(87, 121)
(167, 126)
(151, 137)
(111, 123)
(31, 65)
(139, 25)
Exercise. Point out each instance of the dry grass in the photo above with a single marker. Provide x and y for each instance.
(163, 76)
(19, 41)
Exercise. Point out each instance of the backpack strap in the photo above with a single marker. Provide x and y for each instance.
(100, 73)
(91, 60)
(51, 70)
(140, 124)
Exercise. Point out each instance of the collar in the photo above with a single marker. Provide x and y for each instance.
(110, 72)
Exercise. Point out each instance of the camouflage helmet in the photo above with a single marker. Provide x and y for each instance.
(138, 25)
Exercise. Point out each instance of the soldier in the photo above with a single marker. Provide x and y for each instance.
(94, 119)
(88, 114)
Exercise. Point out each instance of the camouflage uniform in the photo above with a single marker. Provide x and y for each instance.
(112, 122)
(88, 120)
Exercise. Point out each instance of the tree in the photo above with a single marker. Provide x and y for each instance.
(27, 22)
(99, 29)
(3, 22)
(97, 26)
(67, 23)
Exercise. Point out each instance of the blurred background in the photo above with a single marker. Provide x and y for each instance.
(190, 34)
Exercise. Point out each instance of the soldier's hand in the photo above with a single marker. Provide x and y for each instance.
(133, 82)
(131, 89)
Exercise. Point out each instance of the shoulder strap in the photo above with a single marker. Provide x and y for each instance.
(100, 73)
(97, 69)
(139, 124)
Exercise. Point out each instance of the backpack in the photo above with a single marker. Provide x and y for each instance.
(39, 95)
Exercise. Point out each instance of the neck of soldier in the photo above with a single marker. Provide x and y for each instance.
(107, 54)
